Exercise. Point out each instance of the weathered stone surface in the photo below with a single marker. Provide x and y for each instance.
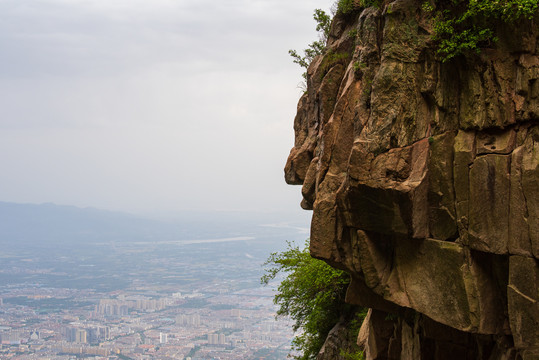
(526, 98)
(323, 229)
(392, 196)
(488, 294)
(519, 230)
(302, 153)
(489, 204)
(495, 142)
(434, 277)
(339, 343)
(423, 178)
(411, 342)
(375, 258)
(410, 335)
(464, 155)
(437, 278)
(375, 335)
(483, 102)
(530, 354)
(441, 195)
(523, 297)
(360, 294)
(530, 185)
(309, 185)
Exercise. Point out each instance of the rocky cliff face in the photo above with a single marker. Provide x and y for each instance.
(423, 178)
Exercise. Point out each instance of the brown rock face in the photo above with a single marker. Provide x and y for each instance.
(340, 342)
(423, 178)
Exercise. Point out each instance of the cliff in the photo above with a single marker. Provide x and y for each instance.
(423, 178)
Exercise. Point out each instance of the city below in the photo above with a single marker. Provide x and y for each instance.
(197, 299)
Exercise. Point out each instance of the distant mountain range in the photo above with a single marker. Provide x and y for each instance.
(58, 224)
(49, 222)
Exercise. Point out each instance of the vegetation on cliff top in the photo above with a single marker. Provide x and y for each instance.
(464, 26)
(318, 47)
(460, 26)
(312, 294)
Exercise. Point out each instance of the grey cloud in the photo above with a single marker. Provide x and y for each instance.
(69, 38)
(162, 104)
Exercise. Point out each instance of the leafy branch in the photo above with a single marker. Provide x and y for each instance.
(469, 25)
(318, 47)
(312, 294)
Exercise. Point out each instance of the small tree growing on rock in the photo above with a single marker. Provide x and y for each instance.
(312, 294)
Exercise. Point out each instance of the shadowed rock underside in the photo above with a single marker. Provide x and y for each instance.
(423, 178)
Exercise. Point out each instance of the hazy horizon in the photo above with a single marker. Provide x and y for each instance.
(151, 107)
(297, 213)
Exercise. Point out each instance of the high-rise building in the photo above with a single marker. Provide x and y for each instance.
(69, 333)
(74, 334)
(188, 320)
(112, 307)
(163, 338)
(11, 337)
(213, 339)
(216, 339)
(97, 333)
(103, 332)
(123, 310)
(81, 336)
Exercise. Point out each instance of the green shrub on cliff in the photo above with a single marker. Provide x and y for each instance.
(323, 23)
(345, 6)
(348, 6)
(464, 26)
(312, 294)
(460, 26)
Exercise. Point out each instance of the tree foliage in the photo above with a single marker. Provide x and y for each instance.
(464, 26)
(460, 26)
(348, 6)
(312, 294)
(323, 26)
(318, 47)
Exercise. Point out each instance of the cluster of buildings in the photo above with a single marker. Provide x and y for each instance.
(216, 339)
(228, 327)
(140, 301)
(188, 319)
(86, 335)
(116, 307)
(10, 336)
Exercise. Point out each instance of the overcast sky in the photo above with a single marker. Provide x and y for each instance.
(150, 105)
